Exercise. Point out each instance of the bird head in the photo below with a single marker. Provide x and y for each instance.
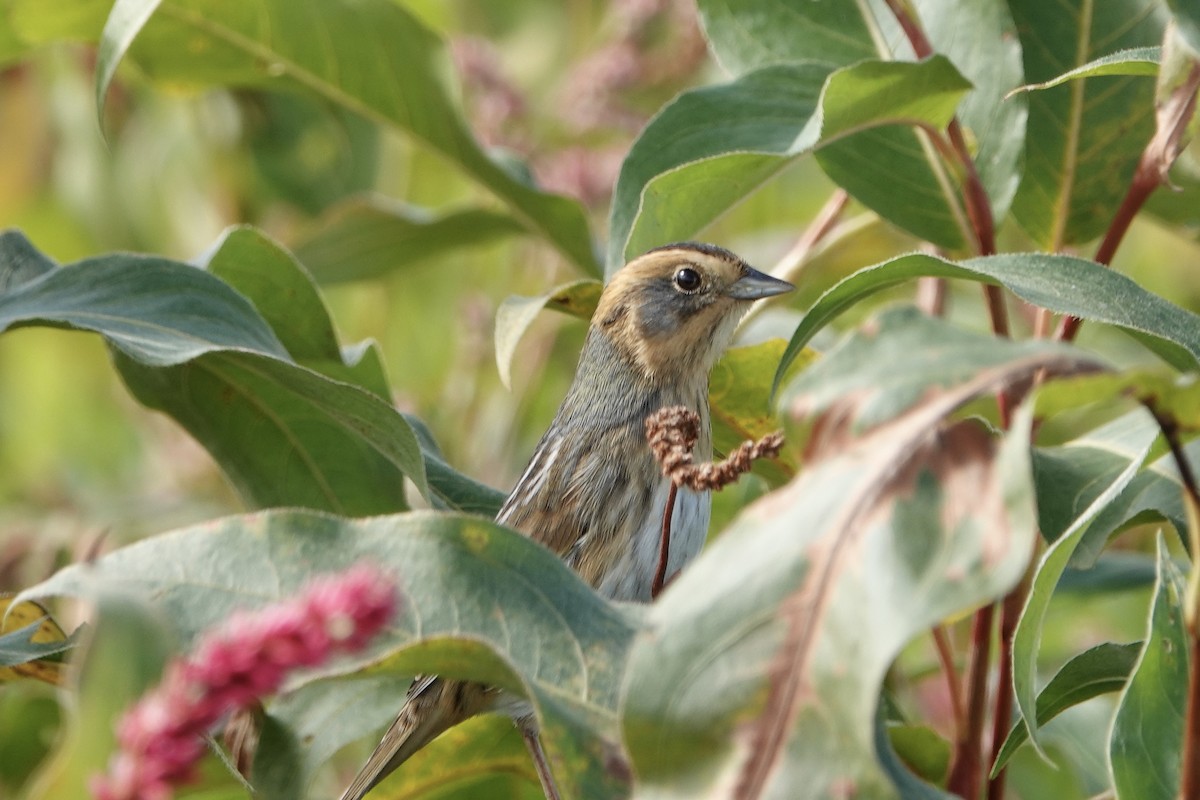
(672, 311)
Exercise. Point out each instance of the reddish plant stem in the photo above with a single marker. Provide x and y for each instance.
(1010, 615)
(945, 651)
(966, 769)
(664, 547)
(1189, 786)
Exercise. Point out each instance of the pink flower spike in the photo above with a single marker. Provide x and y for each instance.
(231, 668)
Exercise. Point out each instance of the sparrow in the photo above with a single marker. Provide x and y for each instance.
(593, 492)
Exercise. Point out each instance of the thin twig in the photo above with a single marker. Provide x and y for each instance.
(664, 546)
(788, 267)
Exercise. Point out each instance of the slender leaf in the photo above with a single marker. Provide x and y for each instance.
(1063, 284)
(1134, 61)
(1102, 669)
(1144, 747)
(1027, 638)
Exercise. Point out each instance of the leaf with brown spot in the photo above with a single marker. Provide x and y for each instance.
(760, 675)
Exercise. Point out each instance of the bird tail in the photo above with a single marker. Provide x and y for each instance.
(432, 707)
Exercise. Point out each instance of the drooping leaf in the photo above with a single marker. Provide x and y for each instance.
(1099, 670)
(374, 58)
(1144, 747)
(1084, 137)
(516, 314)
(158, 311)
(770, 685)
(539, 631)
(367, 237)
(716, 144)
(188, 343)
(1063, 284)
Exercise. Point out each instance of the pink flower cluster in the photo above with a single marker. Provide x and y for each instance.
(232, 667)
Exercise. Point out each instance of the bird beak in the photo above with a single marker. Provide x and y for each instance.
(755, 285)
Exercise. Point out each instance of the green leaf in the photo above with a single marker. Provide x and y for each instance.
(189, 344)
(516, 314)
(1102, 669)
(366, 237)
(1144, 747)
(747, 34)
(890, 363)
(716, 144)
(316, 442)
(20, 261)
(922, 749)
(771, 685)
(158, 311)
(124, 23)
(1085, 137)
(897, 174)
(739, 398)
(369, 56)
(478, 602)
(1063, 284)
(889, 169)
(1134, 61)
(1027, 638)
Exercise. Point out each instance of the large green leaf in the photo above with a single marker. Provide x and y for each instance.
(1063, 284)
(372, 57)
(187, 343)
(1085, 137)
(158, 311)
(366, 237)
(771, 685)
(890, 169)
(477, 601)
(713, 145)
(1144, 747)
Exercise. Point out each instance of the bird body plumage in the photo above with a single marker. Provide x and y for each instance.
(592, 492)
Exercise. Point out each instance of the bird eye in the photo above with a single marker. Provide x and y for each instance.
(687, 279)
